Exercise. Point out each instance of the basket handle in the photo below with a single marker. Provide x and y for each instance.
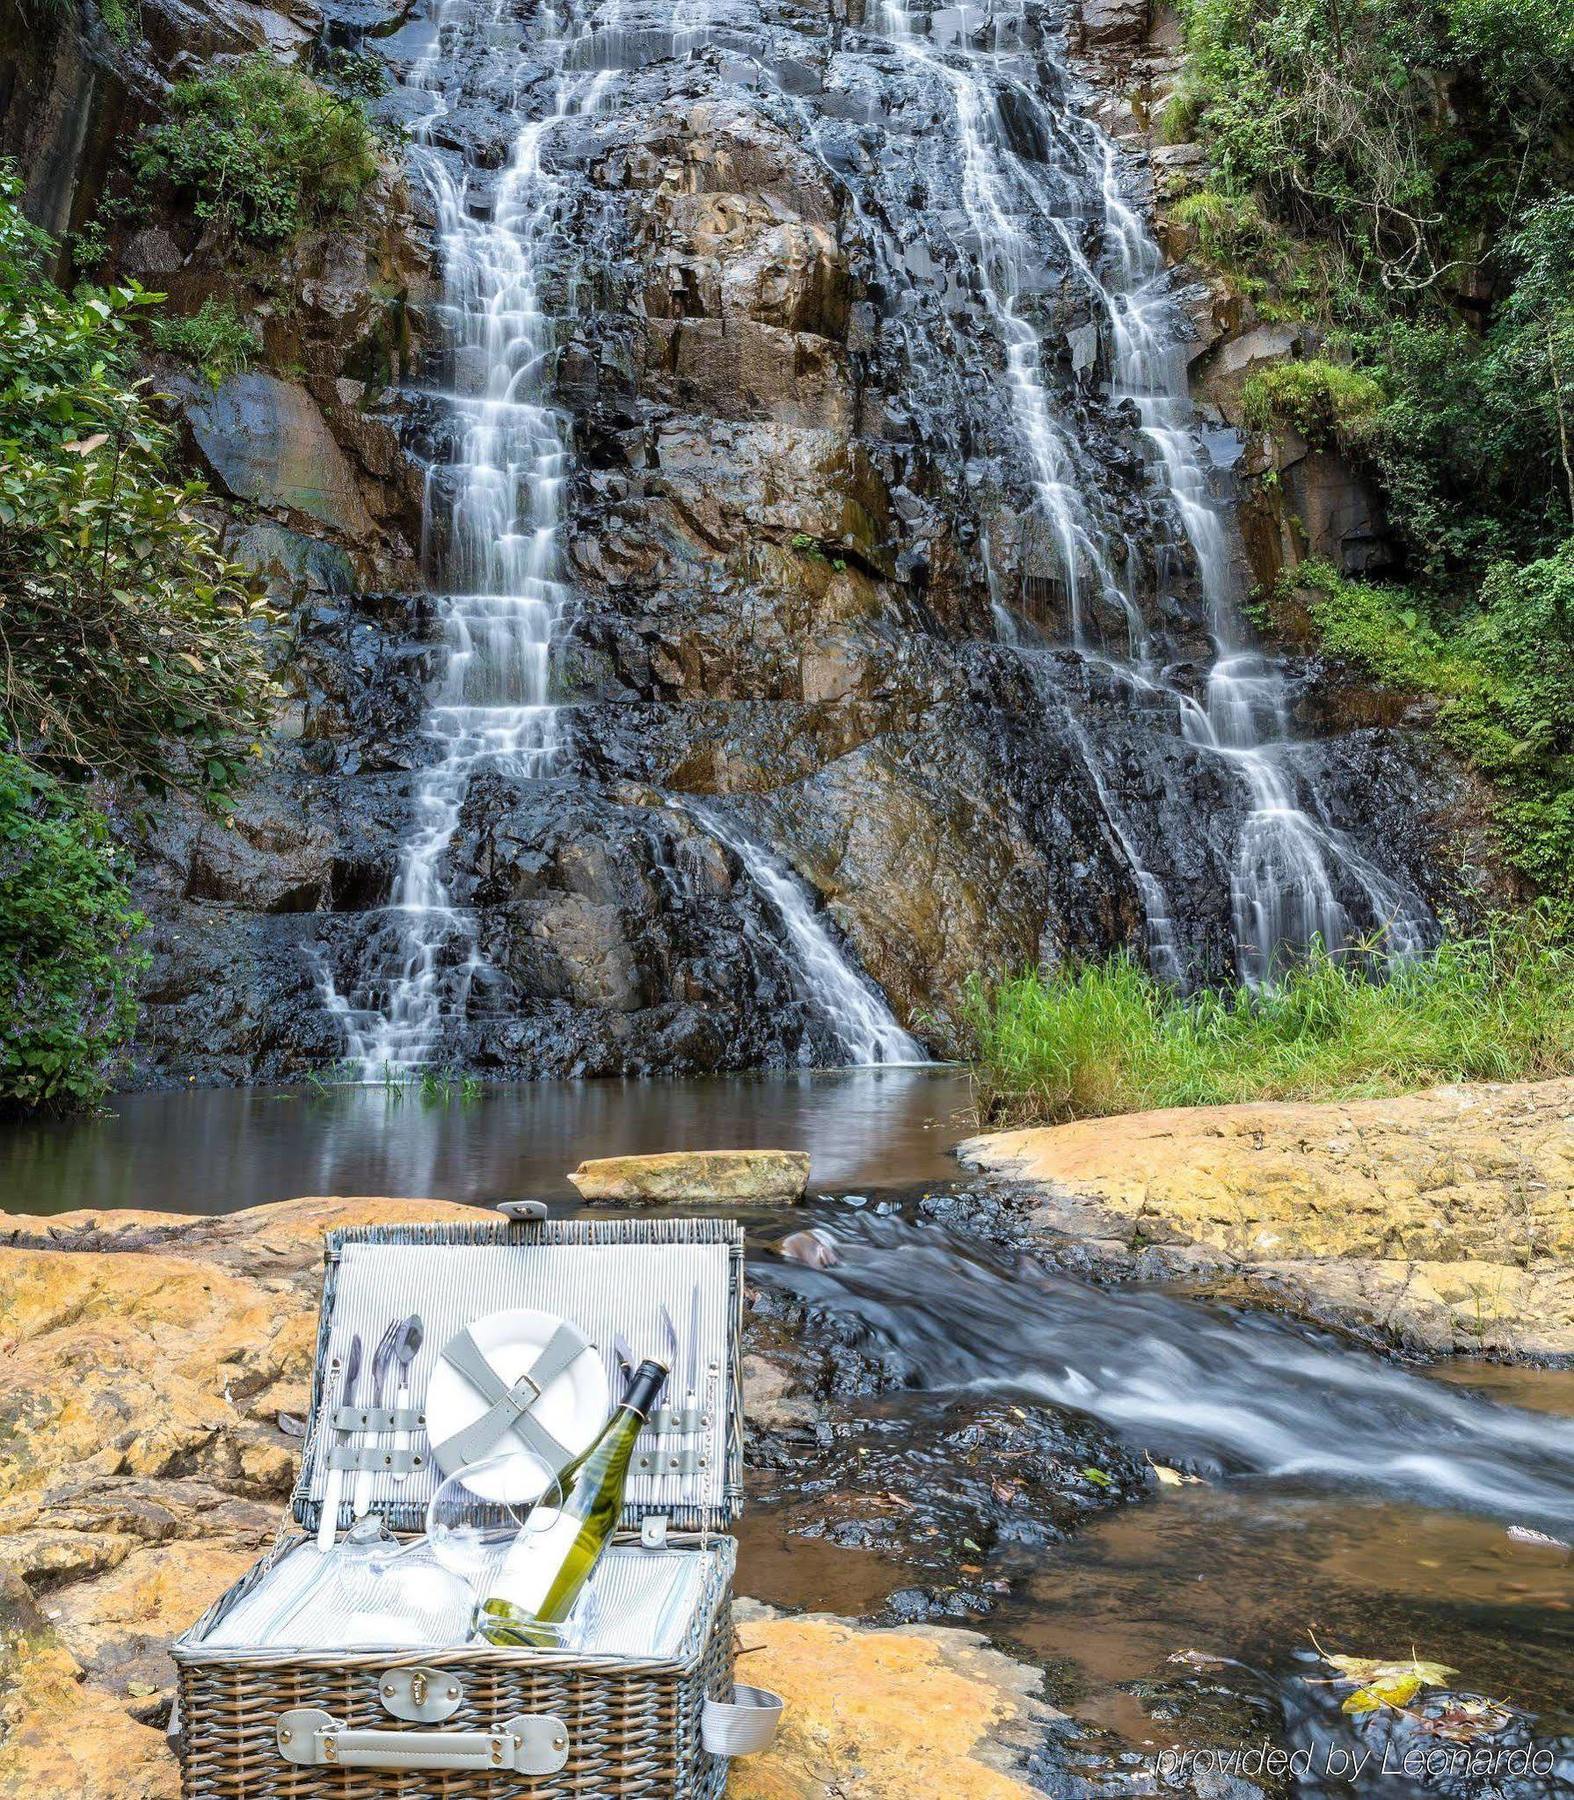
(742, 1726)
(528, 1744)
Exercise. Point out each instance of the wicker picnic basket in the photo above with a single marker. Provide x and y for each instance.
(483, 1722)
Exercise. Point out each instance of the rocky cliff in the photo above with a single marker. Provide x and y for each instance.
(817, 600)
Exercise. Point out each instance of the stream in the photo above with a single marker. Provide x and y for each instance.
(1339, 1497)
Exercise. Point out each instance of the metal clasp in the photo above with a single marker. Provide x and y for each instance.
(421, 1696)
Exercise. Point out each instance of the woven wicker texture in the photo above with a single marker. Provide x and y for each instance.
(633, 1724)
(633, 1727)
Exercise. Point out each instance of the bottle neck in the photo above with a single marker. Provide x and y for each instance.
(644, 1388)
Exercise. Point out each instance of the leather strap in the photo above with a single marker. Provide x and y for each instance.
(508, 1408)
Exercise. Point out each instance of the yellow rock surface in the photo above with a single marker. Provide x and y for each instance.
(147, 1358)
(696, 1178)
(885, 1715)
(1446, 1217)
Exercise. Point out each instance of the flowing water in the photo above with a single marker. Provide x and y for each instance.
(855, 1008)
(1340, 1500)
(1293, 878)
(1340, 1497)
(492, 520)
(1045, 213)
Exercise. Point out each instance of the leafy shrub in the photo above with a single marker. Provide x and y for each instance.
(260, 150)
(128, 642)
(1399, 135)
(68, 962)
(1109, 1037)
(1504, 671)
(1228, 226)
(1324, 401)
(215, 338)
(1370, 162)
(358, 72)
(121, 19)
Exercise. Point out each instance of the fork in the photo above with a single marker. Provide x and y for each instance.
(382, 1359)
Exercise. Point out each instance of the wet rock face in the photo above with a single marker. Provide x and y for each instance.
(811, 592)
(951, 1491)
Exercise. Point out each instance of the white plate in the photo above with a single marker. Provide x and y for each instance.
(573, 1408)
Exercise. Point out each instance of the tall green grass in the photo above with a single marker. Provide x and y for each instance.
(1103, 1038)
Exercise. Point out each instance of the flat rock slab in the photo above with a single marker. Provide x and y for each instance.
(148, 1357)
(1442, 1220)
(696, 1177)
(266, 440)
(887, 1715)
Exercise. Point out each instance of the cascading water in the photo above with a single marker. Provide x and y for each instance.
(1293, 879)
(491, 529)
(856, 1010)
(1239, 1395)
(1282, 883)
(864, 346)
(492, 514)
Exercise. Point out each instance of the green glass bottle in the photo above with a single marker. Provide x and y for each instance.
(549, 1564)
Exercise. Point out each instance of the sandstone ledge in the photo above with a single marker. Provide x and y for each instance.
(696, 1178)
(1440, 1221)
(147, 1359)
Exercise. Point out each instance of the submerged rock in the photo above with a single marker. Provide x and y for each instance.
(1440, 1221)
(697, 1177)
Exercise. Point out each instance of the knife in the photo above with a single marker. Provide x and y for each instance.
(691, 1405)
(404, 1355)
(382, 1359)
(664, 1455)
(328, 1524)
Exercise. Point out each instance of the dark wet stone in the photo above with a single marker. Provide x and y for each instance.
(799, 503)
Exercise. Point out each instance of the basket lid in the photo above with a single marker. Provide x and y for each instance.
(608, 1278)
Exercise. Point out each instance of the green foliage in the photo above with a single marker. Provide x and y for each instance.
(1504, 672)
(358, 72)
(1371, 159)
(1411, 165)
(68, 962)
(1397, 135)
(1475, 445)
(89, 248)
(1257, 255)
(1177, 121)
(1106, 1038)
(128, 642)
(121, 19)
(260, 150)
(1324, 401)
(814, 550)
(216, 339)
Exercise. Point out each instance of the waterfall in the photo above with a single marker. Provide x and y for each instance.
(492, 515)
(1289, 869)
(1003, 241)
(855, 1009)
(1282, 886)
(491, 522)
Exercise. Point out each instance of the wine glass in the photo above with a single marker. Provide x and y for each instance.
(488, 1511)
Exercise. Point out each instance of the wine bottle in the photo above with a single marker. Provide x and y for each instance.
(548, 1565)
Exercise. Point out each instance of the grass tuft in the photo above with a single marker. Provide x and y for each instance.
(1102, 1038)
